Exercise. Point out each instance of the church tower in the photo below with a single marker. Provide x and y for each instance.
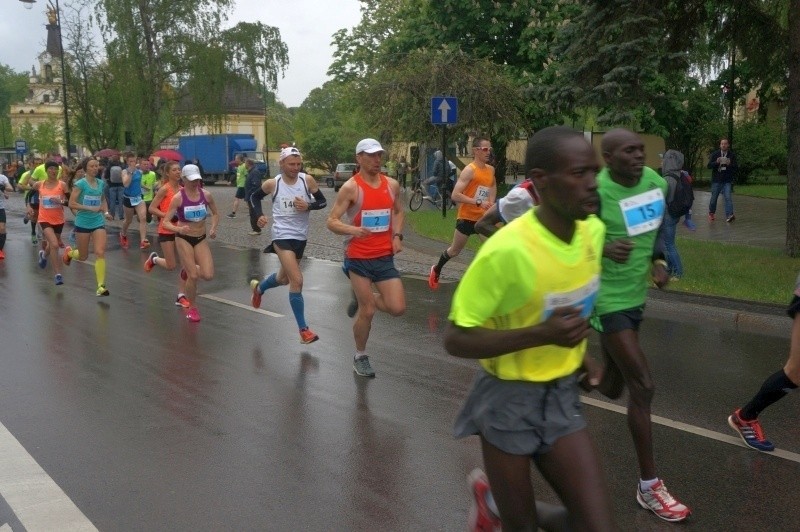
(44, 103)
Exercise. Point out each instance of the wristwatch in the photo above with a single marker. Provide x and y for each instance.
(478, 202)
(398, 235)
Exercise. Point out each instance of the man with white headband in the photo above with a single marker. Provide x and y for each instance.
(294, 194)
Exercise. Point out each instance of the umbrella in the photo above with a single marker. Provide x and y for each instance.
(107, 152)
(170, 155)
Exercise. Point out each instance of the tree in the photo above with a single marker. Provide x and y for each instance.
(793, 132)
(13, 88)
(159, 50)
(328, 125)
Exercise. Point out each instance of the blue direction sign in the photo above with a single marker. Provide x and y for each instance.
(21, 147)
(444, 110)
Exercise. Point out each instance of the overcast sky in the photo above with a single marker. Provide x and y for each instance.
(306, 27)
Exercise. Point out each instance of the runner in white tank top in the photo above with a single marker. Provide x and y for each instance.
(294, 194)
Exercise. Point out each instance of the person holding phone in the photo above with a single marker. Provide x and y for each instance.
(723, 172)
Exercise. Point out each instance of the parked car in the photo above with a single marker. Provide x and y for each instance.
(344, 171)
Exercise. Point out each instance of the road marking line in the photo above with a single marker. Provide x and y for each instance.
(35, 498)
(685, 427)
(241, 305)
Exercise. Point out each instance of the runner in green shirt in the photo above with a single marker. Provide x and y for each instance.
(632, 205)
(149, 185)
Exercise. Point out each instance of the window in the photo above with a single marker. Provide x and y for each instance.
(48, 73)
(46, 98)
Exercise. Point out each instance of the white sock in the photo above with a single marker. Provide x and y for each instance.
(359, 354)
(647, 484)
(491, 504)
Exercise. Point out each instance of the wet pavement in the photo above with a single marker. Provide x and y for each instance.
(146, 421)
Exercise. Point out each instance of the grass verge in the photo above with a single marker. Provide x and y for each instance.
(712, 268)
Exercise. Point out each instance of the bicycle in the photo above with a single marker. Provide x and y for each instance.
(418, 196)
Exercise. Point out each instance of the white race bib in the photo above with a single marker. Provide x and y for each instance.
(482, 193)
(194, 213)
(376, 220)
(643, 212)
(91, 201)
(51, 202)
(136, 200)
(584, 296)
(285, 205)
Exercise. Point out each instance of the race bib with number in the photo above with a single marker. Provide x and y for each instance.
(194, 213)
(376, 220)
(91, 201)
(643, 212)
(482, 193)
(583, 297)
(136, 200)
(285, 205)
(51, 202)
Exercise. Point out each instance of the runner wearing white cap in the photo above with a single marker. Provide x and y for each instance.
(371, 203)
(294, 195)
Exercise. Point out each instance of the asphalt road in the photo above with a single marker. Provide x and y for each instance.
(118, 414)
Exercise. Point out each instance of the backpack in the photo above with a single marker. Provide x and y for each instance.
(683, 198)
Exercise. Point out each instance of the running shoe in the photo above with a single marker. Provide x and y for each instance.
(481, 518)
(102, 291)
(34, 240)
(123, 241)
(308, 336)
(750, 432)
(42, 259)
(59, 279)
(150, 262)
(361, 367)
(711, 217)
(184, 275)
(2, 255)
(690, 225)
(433, 279)
(25, 219)
(255, 299)
(254, 233)
(193, 315)
(659, 501)
(730, 218)
(66, 256)
(182, 301)
(232, 215)
(145, 244)
(352, 307)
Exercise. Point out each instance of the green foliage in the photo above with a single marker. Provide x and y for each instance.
(328, 125)
(759, 147)
(160, 51)
(13, 88)
(44, 138)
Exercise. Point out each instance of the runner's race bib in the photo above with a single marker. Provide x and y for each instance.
(376, 220)
(482, 193)
(91, 201)
(643, 212)
(285, 205)
(136, 200)
(51, 202)
(194, 213)
(584, 296)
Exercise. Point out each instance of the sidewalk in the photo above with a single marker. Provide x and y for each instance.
(759, 222)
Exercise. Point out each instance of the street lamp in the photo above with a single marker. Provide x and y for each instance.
(29, 5)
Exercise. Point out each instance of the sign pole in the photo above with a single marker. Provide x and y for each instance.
(445, 171)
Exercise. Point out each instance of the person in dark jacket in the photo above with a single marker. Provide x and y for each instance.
(252, 184)
(723, 172)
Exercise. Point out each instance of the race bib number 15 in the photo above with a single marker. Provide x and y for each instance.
(643, 212)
